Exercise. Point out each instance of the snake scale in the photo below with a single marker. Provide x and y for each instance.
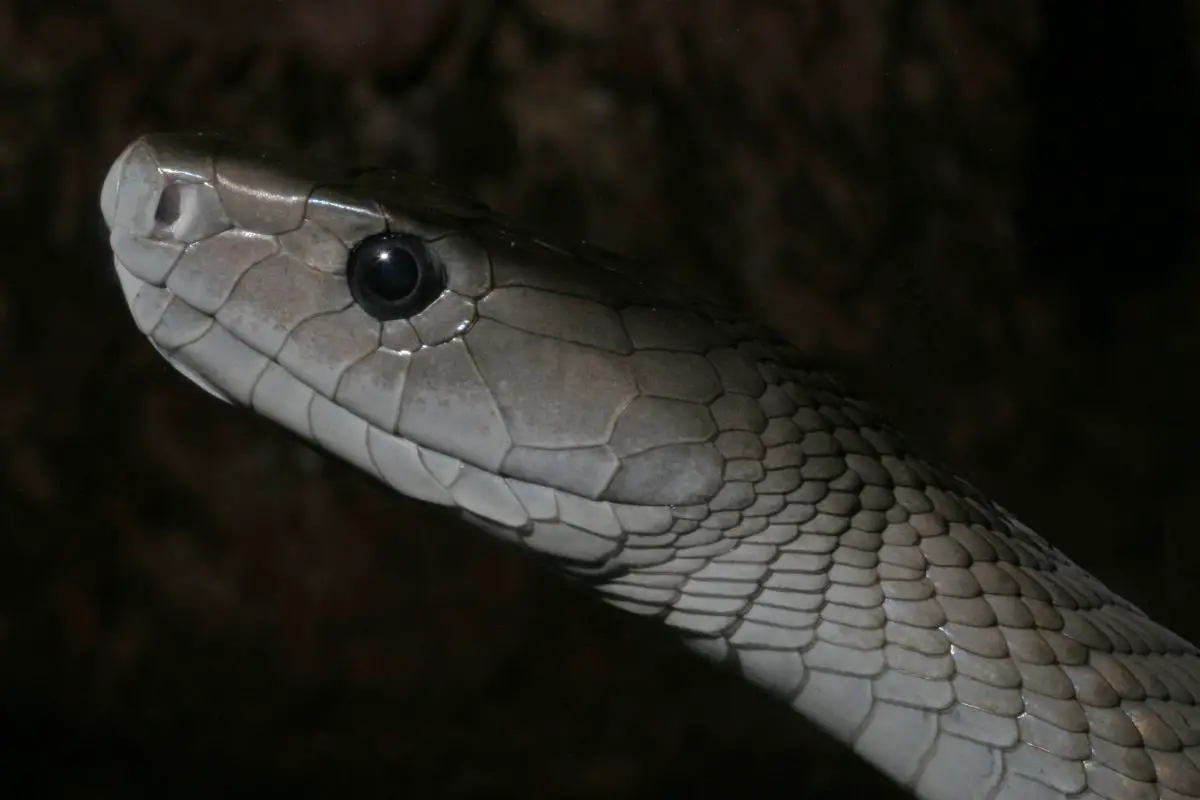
(661, 446)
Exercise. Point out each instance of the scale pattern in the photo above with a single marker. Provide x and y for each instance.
(894, 604)
(681, 459)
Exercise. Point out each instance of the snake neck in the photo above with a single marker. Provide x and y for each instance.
(926, 627)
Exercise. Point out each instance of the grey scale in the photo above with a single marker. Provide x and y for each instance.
(681, 457)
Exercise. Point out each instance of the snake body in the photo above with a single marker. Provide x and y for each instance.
(682, 459)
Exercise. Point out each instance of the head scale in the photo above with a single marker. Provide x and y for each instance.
(425, 339)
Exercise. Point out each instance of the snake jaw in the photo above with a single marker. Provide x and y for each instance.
(142, 297)
(193, 376)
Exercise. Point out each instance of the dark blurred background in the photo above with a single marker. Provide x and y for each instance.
(982, 212)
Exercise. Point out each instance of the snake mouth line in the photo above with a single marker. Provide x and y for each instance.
(132, 285)
(142, 295)
(585, 568)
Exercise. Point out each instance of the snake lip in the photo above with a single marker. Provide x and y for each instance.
(140, 293)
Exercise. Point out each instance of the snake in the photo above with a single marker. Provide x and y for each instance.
(658, 445)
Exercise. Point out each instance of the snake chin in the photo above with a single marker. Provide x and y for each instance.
(193, 376)
(132, 285)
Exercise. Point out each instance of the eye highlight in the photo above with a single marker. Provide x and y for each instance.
(393, 275)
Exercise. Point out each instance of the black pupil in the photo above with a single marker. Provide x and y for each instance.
(393, 272)
(392, 275)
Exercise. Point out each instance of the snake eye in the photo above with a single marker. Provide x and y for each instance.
(392, 275)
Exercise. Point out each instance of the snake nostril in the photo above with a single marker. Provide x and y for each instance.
(169, 205)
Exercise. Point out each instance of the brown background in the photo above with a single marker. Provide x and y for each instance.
(982, 212)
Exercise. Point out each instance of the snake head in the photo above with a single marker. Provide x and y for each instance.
(426, 339)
